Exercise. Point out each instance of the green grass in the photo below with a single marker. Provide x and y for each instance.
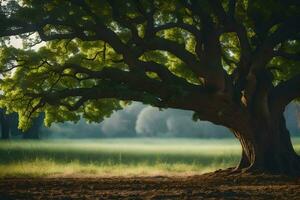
(117, 157)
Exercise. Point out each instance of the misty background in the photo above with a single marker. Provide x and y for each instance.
(139, 120)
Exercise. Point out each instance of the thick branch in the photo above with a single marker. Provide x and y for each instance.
(176, 49)
(287, 30)
(285, 92)
(290, 56)
(166, 97)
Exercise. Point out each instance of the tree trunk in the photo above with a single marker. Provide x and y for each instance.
(31, 135)
(33, 132)
(266, 147)
(5, 127)
(5, 131)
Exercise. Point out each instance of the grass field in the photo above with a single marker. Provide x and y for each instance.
(117, 157)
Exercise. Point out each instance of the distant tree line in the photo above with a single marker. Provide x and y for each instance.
(138, 120)
(9, 126)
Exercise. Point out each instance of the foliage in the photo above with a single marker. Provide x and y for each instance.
(168, 53)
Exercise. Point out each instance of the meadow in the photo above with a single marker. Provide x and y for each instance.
(117, 157)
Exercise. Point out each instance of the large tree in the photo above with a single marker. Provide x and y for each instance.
(232, 62)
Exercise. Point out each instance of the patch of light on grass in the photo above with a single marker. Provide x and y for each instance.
(117, 157)
(48, 168)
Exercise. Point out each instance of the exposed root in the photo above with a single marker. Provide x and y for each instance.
(289, 168)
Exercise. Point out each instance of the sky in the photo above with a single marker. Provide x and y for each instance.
(17, 42)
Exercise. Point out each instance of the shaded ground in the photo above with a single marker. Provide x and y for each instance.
(208, 186)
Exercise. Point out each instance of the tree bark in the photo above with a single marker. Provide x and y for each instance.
(267, 147)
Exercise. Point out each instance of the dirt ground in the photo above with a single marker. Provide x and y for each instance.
(208, 186)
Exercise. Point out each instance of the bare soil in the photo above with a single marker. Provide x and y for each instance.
(208, 186)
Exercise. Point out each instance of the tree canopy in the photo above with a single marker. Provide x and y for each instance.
(210, 56)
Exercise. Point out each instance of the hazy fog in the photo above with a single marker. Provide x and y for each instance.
(138, 120)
